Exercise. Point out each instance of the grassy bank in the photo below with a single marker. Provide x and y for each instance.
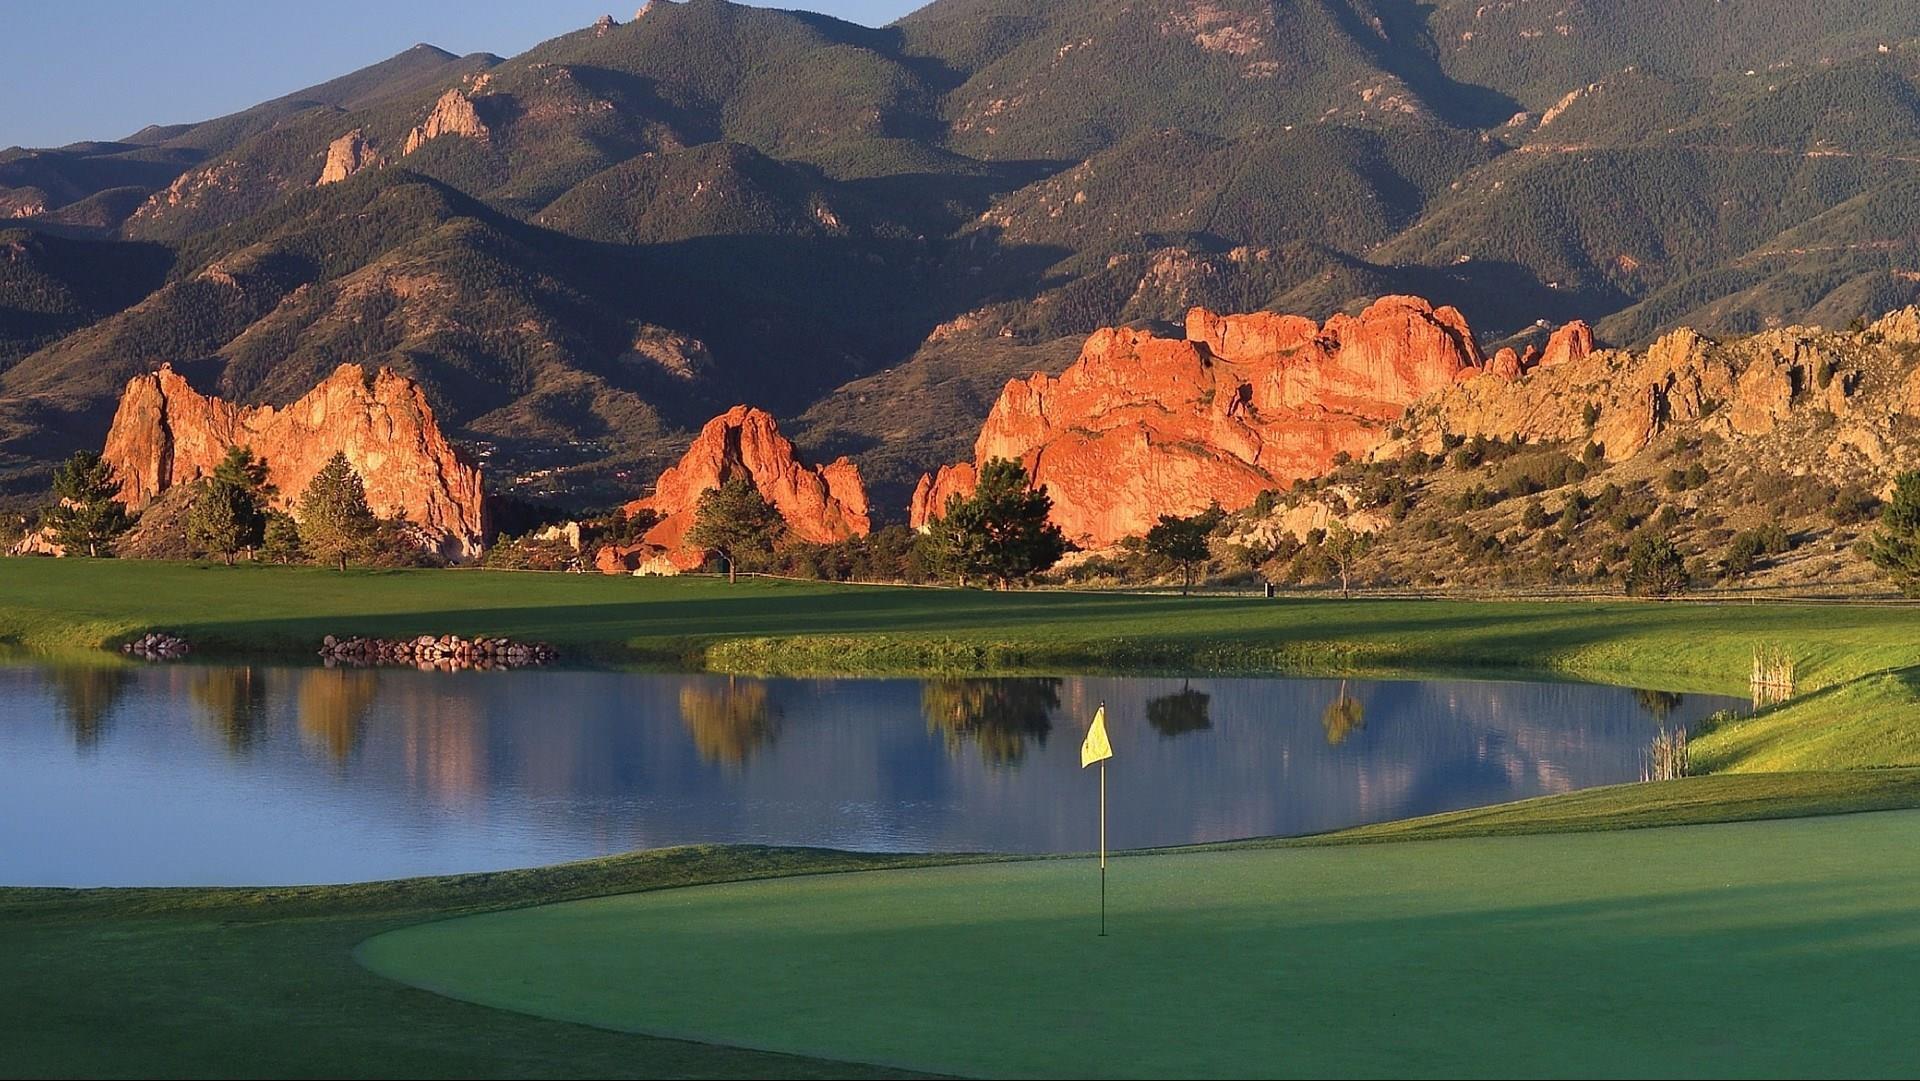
(1776, 948)
(251, 982)
(764, 626)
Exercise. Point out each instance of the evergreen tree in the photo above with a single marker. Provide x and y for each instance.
(736, 521)
(86, 513)
(1001, 532)
(1895, 546)
(335, 522)
(229, 511)
(1655, 567)
(280, 540)
(1183, 541)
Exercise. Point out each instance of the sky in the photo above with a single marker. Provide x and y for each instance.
(104, 69)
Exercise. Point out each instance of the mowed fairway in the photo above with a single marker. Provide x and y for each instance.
(1763, 948)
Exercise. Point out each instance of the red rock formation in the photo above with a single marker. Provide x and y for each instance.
(930, 496)
(166, 433)
(820, 504)
(453, 114)
(1570, 343)
(1141, 426)
(346, 156)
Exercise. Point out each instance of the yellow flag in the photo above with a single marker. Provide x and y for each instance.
(1096, 748)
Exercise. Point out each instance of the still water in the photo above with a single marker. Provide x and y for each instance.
(190, 774)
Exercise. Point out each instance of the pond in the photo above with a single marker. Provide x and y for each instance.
(197, 774)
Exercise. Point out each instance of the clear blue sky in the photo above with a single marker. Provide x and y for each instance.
(102, 69)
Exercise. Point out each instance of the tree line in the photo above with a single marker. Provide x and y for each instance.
(230, 513)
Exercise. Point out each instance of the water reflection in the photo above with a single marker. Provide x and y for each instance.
(1658, 704)
(186, 774)
(232, 704)
(999, 716)
(728, 723)
(86, 696)
(333, 705)
(1343, 717)
(1181, 712)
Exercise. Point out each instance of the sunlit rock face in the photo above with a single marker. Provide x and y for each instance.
(1143, 425)
(822, 504)
(165, 433)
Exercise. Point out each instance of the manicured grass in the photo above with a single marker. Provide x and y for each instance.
(780, 626)
(1746, 949)
(1866, 723)
(253, 983)
(1733, 797)
(223, 982)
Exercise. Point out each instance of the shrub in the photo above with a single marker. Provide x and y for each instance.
(1655, 568)
(1534, 516)
(1852, 504)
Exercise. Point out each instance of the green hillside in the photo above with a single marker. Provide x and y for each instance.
(640, 223)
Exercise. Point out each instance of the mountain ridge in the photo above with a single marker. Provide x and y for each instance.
(583, 251)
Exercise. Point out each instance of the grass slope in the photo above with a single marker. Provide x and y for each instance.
(782, 626)
(1743, 949)
(261, 982)
(1866, 723)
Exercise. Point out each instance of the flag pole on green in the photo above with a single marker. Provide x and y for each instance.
(1098, 749)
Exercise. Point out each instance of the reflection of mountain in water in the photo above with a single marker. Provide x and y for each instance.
(233, 703)
(1000, 716)
(333, 704)
(728, 723)
(87, 695)
(437, 772)
(1181, 712)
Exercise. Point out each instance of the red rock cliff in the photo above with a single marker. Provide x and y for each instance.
(1141, 426)
(820, 504)
(166, 433)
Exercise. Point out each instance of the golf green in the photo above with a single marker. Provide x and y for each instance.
(1765, 948)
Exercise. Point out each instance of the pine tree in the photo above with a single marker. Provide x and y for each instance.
(86, 511)
(1655, 568)
(335, 521)
(1182, 541)
(1001, 532)
(736, 521)
(229, 511)
(1895, 546)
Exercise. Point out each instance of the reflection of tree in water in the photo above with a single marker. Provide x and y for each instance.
(1000, 715)
(233, 703)
(1658, 704)
(1176, 714)
(729, 723)
(1343, 717)
(333, 702)
(86, 695)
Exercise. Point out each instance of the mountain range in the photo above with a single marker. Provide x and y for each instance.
(583, 252)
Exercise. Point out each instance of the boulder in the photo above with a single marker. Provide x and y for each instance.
(165, 433)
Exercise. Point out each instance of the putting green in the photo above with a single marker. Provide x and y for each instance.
(1769, 948)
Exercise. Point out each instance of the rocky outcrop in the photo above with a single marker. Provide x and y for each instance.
(165, 434)
(820, 504)
(1142, 425)
(931, 495)
(1624, 401)
(453, 114)
(346, 156)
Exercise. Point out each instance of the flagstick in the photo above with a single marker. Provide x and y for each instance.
(1103, 849)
